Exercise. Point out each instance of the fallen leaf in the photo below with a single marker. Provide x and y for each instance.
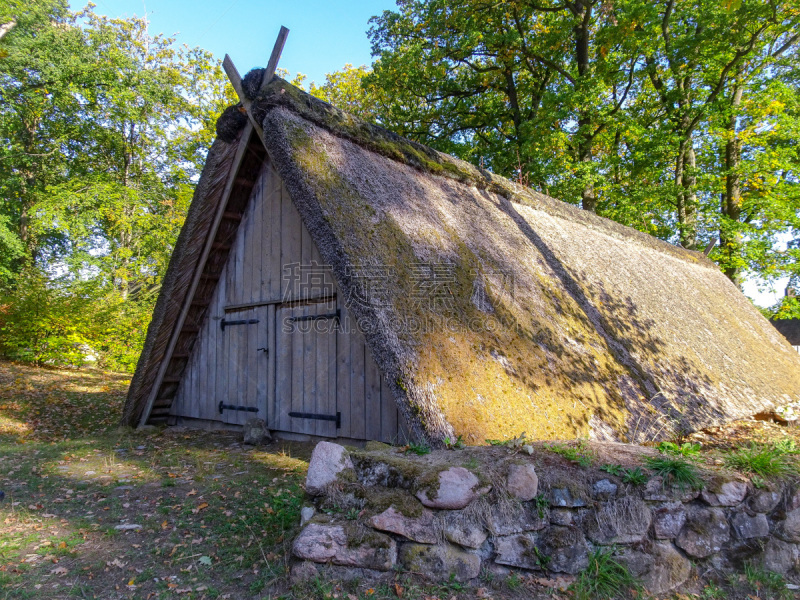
(398, 590)
(59, 571)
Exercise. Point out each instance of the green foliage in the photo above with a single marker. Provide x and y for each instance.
(634, 476)
(763, 461)
(604, 578)
(418, 449)
(542, 504)
(580, 453)
(687, 449)
(675, 471)
(768, 581)
(455, 444)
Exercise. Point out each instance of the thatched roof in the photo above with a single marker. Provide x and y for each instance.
(790, 328)
(551, 320)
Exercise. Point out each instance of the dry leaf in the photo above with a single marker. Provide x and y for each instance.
(59, 571)
(398, 589)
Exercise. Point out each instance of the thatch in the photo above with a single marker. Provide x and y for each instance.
(182, 266)
(555, 321)
(789, 328)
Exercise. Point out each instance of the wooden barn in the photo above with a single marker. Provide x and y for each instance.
(337, 280)
(790, 329)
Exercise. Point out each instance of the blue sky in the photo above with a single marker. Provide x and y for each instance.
(323, 37)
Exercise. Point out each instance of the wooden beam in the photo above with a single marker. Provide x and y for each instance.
(236, 79)
(277, 49)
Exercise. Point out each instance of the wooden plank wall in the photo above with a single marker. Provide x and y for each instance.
(228, 365)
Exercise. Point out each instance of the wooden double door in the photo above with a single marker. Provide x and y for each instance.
(282, 366)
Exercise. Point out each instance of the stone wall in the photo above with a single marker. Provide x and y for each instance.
(477, 511)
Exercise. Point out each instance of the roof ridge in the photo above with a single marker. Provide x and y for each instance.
(279, 93)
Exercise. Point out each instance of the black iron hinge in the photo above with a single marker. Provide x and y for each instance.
(223, 324)
(333, 315)
(337, 417)
(223, 406)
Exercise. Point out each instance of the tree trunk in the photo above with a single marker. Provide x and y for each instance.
(583, 10)
(730, 238)
(686, 197)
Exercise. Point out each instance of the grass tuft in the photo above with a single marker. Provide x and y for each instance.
(604, 578)
(675, 471)
(580, 453)
(763, 461)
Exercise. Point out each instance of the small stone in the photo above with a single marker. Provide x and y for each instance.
(127, 527)
(780, 557)
(519, 551)
(705, 532)
(724, 492)
(419, 529)
(789, 529)
(561, 516)
(440, 562)
(330, 543)
(668, 520)
(256, 432)
(661, 568)
(563, 497)
(763, 501)
(306, 514)
(456, 489)
(656, 491)
(604, 489)
(522, 482)
(565, 548)
(747, 527)
(463, 531)
(516, 519)
(304, 571)
(624, 521)
(327, 461)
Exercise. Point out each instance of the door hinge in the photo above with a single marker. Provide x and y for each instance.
(337, 418)
(333, 315)
(223, 407)
(223, 324)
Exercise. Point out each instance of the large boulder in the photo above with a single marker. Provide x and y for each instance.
(659, 566)
(789, 529)
(565, 549)
(256, 432)
(327, 462)
(724, 491)
(668, 520)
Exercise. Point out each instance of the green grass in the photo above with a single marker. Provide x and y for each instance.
(766, 581)
(761, 460)
(418, 449)
(580, 453)
(675, 471)
(686, 450)
(634, 476)
(604, 579)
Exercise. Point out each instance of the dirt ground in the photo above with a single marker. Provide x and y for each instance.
(91, 510)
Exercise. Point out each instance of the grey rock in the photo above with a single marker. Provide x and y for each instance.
(256, 432)
(565, 548)
(440, 562)
(522, 482)
(660, 567)
(763, 501)
(331, 543)
(464, 531)
(780, 557)
(624, 521)
(303, 571)
(327, 461)
(519, 550)
(562, 497)
(705, 532)
(561, 516)
(656, 491)
(127, 527)
(306, 513)
(724, 492)
(604, 489)
(668, 520)
(789, 529)
(455, 489)
(515, 518)
(747, 527)
(421, 529)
